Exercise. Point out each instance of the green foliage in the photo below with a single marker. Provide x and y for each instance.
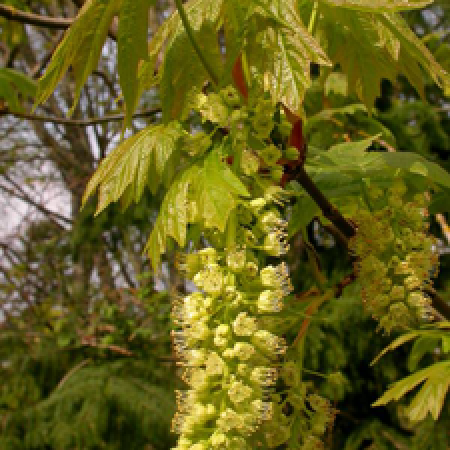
(14, 87)
(206, 193)
(137, 162)
(132, 48)
(431, 396)
(80, 48)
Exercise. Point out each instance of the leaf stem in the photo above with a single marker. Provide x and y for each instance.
(190, 33)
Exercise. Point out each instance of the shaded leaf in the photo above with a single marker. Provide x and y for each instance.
(80, 48)
(132, 47)
(13, 85)
(183, 71)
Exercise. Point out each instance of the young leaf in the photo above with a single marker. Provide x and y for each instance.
(197, 12)
(217, 192)
(173, 217)
(396, 343)
(207, 193)
(386, 47)
(132, 45)
(14, 84)
(183, 71)
(380, 5)
(431, 396)
(80, 48)
(136, 162)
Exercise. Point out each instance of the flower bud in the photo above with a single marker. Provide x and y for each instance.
(270, 301)
(244, 325)
(221, 335)
(214, 365)
(239, 392)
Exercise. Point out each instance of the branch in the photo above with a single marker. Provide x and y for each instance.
(52, 215)
(439, 304)
(54, 23)
(328, 210)
(34, 19)
(77, 122)
(190, 33)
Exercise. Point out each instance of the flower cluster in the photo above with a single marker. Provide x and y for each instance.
(395, 257)
(226, 357)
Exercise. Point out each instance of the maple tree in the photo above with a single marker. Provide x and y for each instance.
(229, 155)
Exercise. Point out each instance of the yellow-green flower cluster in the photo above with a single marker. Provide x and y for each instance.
(227, 358)
(395, 257)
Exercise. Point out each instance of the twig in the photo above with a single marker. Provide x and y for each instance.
(34, 19)
(190, 33)
(439, 304)
(60, 23)
(310, 310)
(77, 122)
(444, 226)
(328, 210)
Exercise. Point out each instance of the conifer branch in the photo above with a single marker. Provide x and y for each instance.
(190, 34)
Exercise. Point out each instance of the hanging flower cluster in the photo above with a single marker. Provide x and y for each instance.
(395, 257)
(227, 358)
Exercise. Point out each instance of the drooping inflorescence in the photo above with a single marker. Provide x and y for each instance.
(395, 257)
(227, 358)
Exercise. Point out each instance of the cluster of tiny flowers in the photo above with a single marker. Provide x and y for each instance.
(395, 258)
(226, 357)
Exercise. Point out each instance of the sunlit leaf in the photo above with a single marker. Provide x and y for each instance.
(137, 162)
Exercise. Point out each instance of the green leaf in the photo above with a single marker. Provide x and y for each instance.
(415, 163)
(297, 49)
(422, 345)
(174, 215)
(206, 194)
(217, 192)
(348, 152)
(396, 343)
(80, 48)
(386, 48)
(197, 11)
(136, 162)
(132, 47)
(430, 398)
(13, 85)
(304, 210)
(432, 395)
(183, 71)
(380, 5)
(412, 50)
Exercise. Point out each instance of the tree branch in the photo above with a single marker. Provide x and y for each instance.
(77, 122)
(34, 19)
(54, 23)
(439, 304)
(328, 210)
